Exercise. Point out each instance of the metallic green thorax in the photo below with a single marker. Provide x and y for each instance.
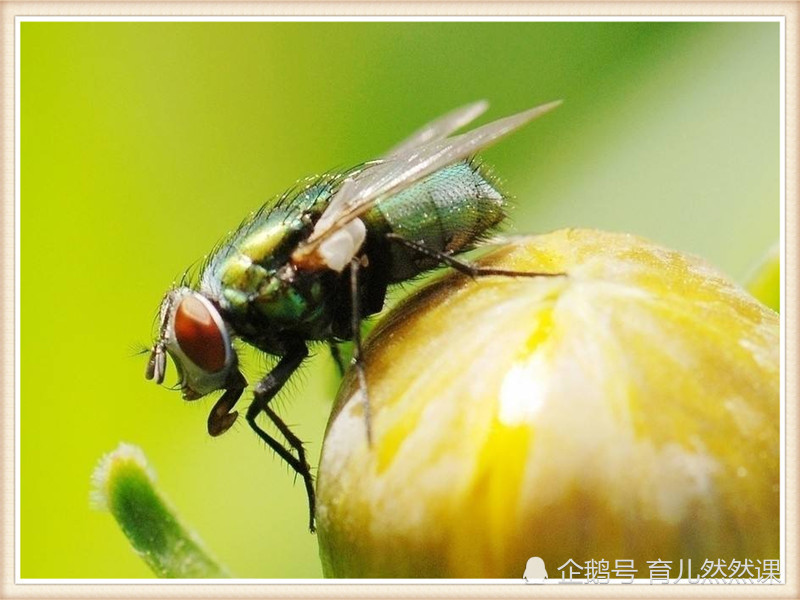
(250, 279)
(245, 274)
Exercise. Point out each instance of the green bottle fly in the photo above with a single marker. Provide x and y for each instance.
(312, 265)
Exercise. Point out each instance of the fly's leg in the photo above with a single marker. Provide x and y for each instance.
(355, 326)
(299, 464)
(336, 354)
(264, 392)
(221, 417)
(462, 265)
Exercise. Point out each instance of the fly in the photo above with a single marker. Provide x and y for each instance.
(309, 267)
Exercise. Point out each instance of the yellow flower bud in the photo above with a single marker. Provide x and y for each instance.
(628, 410)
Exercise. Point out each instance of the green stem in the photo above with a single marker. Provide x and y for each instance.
(124, 484)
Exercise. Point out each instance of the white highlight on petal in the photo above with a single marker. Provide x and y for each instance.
(341, 246)
(524, 390)
(679, 479)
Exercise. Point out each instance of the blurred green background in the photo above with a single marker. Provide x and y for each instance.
(143, 143)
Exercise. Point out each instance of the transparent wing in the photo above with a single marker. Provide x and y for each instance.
(435, 130)
(401, 169)
(441, 127)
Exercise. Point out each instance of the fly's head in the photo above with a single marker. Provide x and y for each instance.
(194, 334)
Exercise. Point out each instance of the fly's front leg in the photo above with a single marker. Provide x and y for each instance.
(264, 392)
(355, 325)
(461, 265)
(221, 417)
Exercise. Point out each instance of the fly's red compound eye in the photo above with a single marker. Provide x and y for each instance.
(199, 336)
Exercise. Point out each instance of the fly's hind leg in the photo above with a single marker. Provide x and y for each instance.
(264, 392)
(461, 265)
(355, 326)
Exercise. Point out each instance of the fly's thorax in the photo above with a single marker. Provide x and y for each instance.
(297, 302)
(248, 256)
(195, 335)
(449, 211)
(288, 303)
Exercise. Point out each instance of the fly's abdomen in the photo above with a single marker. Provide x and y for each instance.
(449, 211)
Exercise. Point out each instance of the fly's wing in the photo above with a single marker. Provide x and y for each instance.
(433, 131)
(441, 127)
(407, 166)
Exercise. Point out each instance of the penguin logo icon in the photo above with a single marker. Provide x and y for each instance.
(535, 571)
